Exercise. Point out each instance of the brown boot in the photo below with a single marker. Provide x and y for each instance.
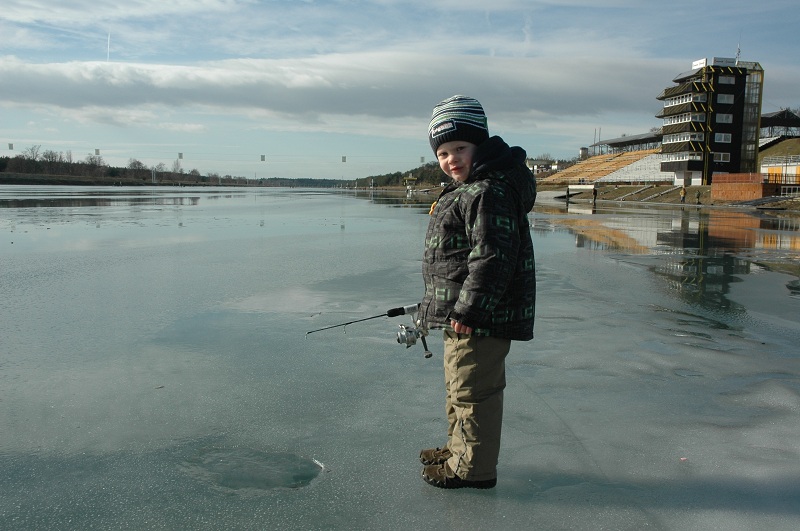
(435, 456)
(441, 476)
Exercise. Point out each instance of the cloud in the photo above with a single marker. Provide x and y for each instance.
(128, 117)
(389, 85)
(84, 12)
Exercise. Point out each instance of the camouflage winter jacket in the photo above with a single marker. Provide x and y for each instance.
(478, 264)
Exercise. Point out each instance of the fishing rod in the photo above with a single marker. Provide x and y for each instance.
(407, 335)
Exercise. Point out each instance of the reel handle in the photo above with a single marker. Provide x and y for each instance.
(428, 353)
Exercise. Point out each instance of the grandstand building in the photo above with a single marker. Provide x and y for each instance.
(711, 121)
(712, 126)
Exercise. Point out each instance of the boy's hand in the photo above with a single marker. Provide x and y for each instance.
(460, 328)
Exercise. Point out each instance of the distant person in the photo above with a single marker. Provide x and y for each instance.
(697, 196)
(594, 195)
(480, 286)
(683, 194)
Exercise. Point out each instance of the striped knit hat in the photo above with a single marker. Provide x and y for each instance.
(458, 118)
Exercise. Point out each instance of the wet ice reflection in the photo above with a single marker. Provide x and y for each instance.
(155, 370)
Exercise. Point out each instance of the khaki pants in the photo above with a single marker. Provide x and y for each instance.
(475, 376)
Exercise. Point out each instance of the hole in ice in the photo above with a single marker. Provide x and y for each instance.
(239, 469)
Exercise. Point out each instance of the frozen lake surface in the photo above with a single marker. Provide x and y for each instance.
(155, 371)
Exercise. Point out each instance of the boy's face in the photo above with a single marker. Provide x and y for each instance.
(455, 159)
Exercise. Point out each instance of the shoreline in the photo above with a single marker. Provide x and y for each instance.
(620, 194)
(640, 195)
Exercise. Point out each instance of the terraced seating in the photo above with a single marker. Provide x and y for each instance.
(647, 169)
(599, 166)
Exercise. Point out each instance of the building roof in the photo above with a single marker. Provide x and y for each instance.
(631, 140)
(782, 118)
(686, 75)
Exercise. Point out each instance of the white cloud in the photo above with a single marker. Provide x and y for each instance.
(84, 12)
(380, 84)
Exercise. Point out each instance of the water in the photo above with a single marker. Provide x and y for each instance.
(155, 372)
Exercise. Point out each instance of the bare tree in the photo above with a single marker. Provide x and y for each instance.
(95, 165)
(95, 161)
(53, 161)
(32, 153)
(28, 160)
(51, 156)
(136, 165)
(137, 169)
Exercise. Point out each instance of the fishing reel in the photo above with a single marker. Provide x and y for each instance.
(408, 336)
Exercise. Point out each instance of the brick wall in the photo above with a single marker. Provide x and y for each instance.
(721, 191)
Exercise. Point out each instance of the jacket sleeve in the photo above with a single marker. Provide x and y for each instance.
(491, 226)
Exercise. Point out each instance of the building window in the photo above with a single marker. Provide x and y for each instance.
(683, 137)
(724, 98)
(685, 117)
(677, 119)
(681, 157)
(677, 100)
(727, 80)
(724, 118)
(722, 157)
(685, 98)
(722, 138)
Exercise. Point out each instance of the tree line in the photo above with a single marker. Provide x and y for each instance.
(48, 166)
(35, 165)
(48, 163)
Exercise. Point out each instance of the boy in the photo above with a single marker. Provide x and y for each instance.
(480, 285)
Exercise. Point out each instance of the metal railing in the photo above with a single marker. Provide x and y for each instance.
(790, 191)
(783, 160)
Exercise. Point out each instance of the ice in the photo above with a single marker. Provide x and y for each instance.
(155, 370)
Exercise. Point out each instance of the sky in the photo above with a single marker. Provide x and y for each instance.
(344, 89)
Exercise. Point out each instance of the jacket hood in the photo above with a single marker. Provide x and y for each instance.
(494, 159)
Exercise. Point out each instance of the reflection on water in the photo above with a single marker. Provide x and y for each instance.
(639, 229)
(704, 280)
(27, 197)
(701, 251)
(77, 197)
(154, 371)
(398, 198)
(76, 202)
